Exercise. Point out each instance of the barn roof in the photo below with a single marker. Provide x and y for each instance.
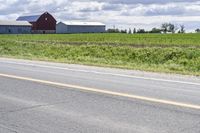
(33, 18)
(83, 23)
(14, 23)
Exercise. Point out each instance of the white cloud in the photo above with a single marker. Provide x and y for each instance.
(122, 13)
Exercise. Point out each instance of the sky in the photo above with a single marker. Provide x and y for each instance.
(121, 14)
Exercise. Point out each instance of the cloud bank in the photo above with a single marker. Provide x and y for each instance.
(121, 13)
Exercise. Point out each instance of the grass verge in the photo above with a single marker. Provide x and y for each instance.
(180, 60)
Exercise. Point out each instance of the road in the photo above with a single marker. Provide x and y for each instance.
(41, 97)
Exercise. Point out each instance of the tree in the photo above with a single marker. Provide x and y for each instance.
(129, 32)
(164, 27)
(134, 30)
(155, 30)
(113, 31)
(141, 31)
(124, 31)
(172, 28)
(182, 28)
(169, 27)
(197, 30)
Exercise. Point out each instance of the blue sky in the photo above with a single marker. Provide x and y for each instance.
(121, 13)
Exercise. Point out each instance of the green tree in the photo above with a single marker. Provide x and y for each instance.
(134, 30)
(197, 30)
(172, 28)
(141, 31)
(155, 30)
(182, 28)
(123, 31)
(169, 27)
(129, 31)
(164, 27)
(113, 31)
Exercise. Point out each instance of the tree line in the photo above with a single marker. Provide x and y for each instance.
(165, 28)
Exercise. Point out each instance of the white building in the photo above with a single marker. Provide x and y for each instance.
(15, 27)
(80, 27)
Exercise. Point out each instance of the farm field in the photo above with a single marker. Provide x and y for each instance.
(138, 40)
(171, 53)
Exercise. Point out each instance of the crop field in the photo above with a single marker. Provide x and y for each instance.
(143, 40)
(171, 53)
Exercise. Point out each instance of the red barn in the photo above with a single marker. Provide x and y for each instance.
(41, 24)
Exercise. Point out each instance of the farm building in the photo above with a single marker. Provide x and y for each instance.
(41, 24)
(15, 27)
(80, 27)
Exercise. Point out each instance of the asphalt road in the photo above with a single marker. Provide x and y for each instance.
(41, 97)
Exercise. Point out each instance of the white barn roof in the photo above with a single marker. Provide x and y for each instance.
(33, 18)
(14, 23)
(83, 23)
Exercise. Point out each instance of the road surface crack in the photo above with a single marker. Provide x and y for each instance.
(7, 128)
(33, 107)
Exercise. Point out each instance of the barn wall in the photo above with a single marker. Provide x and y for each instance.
(34, 25)
(62, 28)
(85, 29)
(15, 29)
(43, 31)
(46, 23)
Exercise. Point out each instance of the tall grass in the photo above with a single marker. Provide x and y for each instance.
(184, 60)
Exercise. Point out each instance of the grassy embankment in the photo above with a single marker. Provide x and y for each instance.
(178, 53)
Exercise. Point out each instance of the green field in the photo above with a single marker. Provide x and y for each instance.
(173, 53)
(140, 40)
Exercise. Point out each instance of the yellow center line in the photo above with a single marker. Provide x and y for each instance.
(143, 98)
